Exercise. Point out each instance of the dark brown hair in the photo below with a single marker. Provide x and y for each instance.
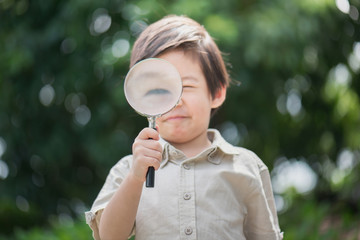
(180, 32)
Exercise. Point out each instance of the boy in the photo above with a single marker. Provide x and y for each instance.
(205, 187)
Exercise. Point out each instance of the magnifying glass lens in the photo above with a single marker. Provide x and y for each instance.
(153, 87)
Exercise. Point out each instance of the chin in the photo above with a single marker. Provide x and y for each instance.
(171, 131)
(174, 138)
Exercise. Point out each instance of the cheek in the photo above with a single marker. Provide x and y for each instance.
(197, 95)
(200, 107)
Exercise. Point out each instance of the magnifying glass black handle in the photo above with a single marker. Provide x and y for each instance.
(150, 177)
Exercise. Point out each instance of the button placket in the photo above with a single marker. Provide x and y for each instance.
(187, 201)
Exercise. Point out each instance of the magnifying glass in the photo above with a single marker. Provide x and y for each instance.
(152, 88)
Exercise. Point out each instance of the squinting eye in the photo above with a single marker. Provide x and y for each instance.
(157, 91)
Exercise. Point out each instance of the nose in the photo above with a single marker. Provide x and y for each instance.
(180, 103)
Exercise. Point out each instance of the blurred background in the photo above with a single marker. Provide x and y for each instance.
(64, 120)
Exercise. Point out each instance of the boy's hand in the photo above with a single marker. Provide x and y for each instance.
(147, 152)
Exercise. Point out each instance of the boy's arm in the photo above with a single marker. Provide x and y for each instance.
(266, 181)
(118, 217)
(262, 221)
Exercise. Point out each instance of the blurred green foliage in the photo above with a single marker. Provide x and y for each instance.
(55, 231)
(64, 120)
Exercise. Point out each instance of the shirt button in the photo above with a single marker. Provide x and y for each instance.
(188, 231)
(186, 166)
(187, 196)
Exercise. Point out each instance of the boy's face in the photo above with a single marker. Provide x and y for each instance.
(189, 120)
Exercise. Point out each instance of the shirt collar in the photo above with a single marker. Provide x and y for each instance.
(218, 143)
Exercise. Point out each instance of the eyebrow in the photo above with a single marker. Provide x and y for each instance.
(189, 77)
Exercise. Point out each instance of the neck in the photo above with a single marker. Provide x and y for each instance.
(193, 147)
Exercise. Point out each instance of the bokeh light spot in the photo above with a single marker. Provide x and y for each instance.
(4, 170)
(354, 58)
(293, 174)
(82, 115)
(68, 45)
(101, 22)
(47, 95)
(230, 132)
(2, 146)
(22, 204)
(120, 48)
(343, 5)
(293, 103)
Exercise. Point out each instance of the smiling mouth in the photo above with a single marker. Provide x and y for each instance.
(175, 118)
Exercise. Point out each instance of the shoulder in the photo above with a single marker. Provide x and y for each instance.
(240, 155)
(124, 162)
(248, 157)
(122, 167)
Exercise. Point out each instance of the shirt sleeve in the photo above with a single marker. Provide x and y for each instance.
(261, 221)
(112, 183)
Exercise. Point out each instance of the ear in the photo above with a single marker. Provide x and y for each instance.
(219, 98)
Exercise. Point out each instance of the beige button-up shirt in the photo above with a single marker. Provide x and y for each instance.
(222, 193)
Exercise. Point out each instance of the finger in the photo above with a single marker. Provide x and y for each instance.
(152, 162)
(147, 143)
(142, 151)
(144, 162)
(147, 133)
(155, 164)
(140, 167)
